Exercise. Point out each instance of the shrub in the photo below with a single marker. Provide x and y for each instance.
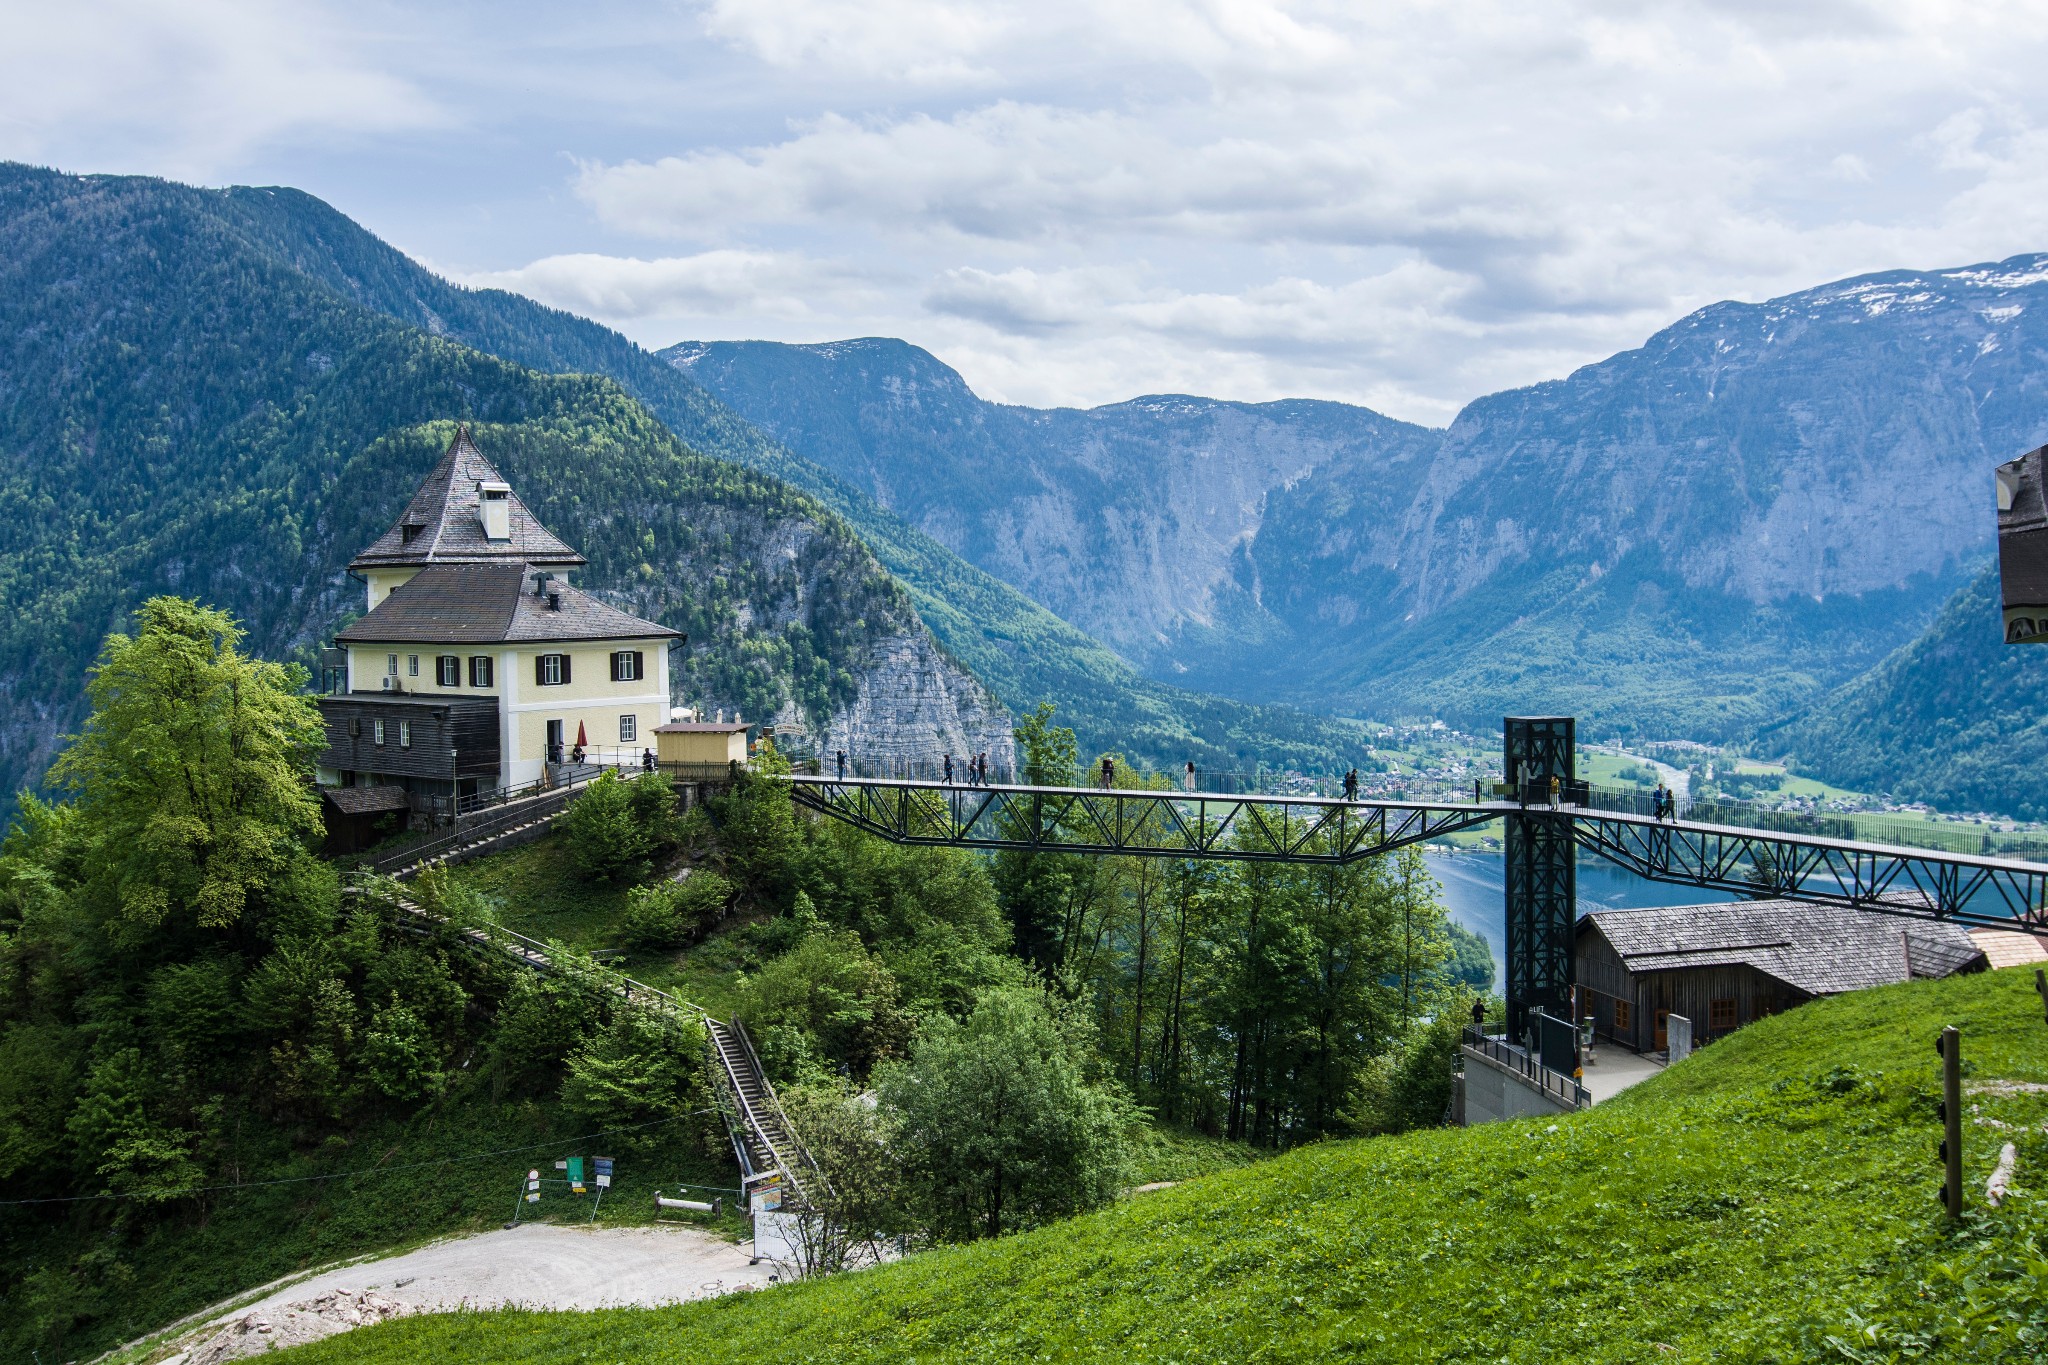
(669, 914)
(633, 1073)
(833, 993)
(606, 836)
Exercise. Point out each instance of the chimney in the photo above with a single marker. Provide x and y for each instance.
(494, 509)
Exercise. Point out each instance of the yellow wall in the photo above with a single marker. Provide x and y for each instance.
(702, 748)
(382, 581)
(525, 707)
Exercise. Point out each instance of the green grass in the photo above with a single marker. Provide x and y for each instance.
(1775, 1190)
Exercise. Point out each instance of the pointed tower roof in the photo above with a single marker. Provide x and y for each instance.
(443, 524)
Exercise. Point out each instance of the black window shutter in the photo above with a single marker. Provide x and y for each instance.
(565, 668)
(616, 656)
(540, 670)
(639, 664)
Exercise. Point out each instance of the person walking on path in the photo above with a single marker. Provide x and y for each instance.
(1657, 803)
(981, 768)
(1108, 772)
(1554, 784)
(1187, 781)
(842, 765)
(949, 770)
(1351, 785)
(1479, 1014)
(647, 760)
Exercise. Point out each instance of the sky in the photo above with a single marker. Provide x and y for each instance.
(1400, 204)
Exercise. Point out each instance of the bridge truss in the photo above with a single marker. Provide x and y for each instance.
(1542, 845)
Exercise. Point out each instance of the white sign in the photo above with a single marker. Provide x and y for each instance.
(775, 1236)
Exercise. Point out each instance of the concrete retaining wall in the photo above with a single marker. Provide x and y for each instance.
(1493, 1093)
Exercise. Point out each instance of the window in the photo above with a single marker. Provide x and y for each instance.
(1721, 1014)
(551, 670)
(405, 734)
(377, 731)
(479, 670)
(626, 665)
(391, 664)
(412, 665)
(355, 727)
(629, 729)
(1620, 1014)
(448, 670)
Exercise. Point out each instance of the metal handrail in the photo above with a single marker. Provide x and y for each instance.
(1565, 1088)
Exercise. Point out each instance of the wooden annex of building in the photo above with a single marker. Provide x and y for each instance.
(1723, 966)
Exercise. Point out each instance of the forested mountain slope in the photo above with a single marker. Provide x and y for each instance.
(1702, 535)
(185, 412)
(1957, 718)
(1024, 652)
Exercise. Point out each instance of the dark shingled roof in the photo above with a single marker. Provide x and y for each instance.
(483, 604)
(441, 524)
(1818, 949)
(364, 800)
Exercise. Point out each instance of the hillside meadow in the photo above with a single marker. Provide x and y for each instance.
(1772, 1199)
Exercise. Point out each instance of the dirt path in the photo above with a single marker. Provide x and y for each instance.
(538, 1265)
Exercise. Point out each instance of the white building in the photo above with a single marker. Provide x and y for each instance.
(478, 665)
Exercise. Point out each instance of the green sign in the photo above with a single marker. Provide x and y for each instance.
(576, 1174)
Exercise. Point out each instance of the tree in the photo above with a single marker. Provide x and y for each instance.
(860, 1202)
(758, 829)
(194, 773)
(999, 1123)
(669, 914)
(1043, 893)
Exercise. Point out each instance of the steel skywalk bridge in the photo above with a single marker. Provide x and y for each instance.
(1541, 846)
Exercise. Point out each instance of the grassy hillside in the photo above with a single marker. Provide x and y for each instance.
(1773, 1199)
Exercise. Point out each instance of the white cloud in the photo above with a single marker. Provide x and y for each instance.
(188, 88)
(712, 284)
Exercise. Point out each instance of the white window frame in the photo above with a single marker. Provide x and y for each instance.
(377, 731)
(550, 670)
(412, 665)
(448, 670)
(391, 664)
(629, 729)
(625, 665)
(483, 671)
(405, 734)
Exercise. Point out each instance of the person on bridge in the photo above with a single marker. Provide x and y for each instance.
(1187, 781)
(981, 767)
(1351, 785)
(1108, 772)
(842, 765)
(647, 760)
(949, 770)
(1554, 785)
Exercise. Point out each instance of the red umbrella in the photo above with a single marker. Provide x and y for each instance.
(581, 742)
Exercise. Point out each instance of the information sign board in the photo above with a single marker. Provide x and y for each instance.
(602, 1169)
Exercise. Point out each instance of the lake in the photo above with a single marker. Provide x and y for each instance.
(1475, 884)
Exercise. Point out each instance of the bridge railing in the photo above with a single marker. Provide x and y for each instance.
(1943, 836)
(1218, 782)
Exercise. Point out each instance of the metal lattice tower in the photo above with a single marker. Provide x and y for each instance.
(1542, 867)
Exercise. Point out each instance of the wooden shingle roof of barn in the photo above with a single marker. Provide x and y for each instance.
(1817, 949)
(441, 525)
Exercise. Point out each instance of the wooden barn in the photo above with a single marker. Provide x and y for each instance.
(1722, 966)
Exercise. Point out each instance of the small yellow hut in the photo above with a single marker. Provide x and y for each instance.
(701, 742)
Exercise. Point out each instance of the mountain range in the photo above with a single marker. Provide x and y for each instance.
(1708, 536)
(1742, 529)
(224, 392)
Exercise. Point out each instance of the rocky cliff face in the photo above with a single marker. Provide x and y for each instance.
(1126, 520)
